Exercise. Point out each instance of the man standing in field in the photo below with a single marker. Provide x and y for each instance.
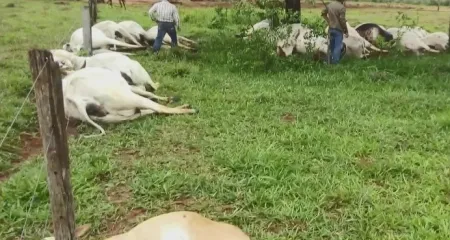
(168, 21)
(334, 14)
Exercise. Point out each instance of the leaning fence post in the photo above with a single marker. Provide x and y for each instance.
(87, 30)
(52, 125)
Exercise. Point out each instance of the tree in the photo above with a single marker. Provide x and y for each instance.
(293, 10)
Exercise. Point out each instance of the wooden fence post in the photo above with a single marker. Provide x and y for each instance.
(52, 125)
(87, 30)
(93, 11)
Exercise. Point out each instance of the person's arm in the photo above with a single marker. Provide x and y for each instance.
(325, 15)
(176, 17)
(151, 12)
(343, 21)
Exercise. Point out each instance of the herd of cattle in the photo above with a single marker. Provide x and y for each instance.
(361, 42)
(111, 87)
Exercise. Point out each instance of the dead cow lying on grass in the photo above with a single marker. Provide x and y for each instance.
(99, 41)
(412, 40)
(116, 31)
(181, 225)
(104, 95)
(131, 70)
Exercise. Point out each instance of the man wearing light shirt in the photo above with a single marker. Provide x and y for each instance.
(166, 15)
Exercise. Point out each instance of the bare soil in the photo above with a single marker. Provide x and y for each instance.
(30, 146)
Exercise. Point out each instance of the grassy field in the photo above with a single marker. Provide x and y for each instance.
(283, 148)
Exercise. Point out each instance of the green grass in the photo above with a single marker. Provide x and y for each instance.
(283, 148)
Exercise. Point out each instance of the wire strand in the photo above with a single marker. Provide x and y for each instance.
(29, 93)
(45, 153)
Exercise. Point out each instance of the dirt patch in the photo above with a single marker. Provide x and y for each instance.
(30, 146)
(363, 160)
(279, 225)
(119, 194)
(335, 205)
(124, 218)
(181, 148)
(288, 117)
(124, 222)
(127, 154)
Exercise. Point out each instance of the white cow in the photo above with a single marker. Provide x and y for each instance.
(437, 40)
(411, 39)
(104, 95)
(114, 30)
(131, 70)
(99, 41)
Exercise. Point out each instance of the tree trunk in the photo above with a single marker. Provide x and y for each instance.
(293, 9)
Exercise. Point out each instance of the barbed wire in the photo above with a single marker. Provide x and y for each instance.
(31, 201)
(8, 130)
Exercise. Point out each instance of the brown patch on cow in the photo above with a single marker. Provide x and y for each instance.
(279, 225)
(119, 194)
(288, 117)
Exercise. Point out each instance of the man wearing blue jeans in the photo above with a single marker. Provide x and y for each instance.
(334, 14)
(166, 15)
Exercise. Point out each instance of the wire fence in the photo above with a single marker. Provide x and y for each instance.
(46, 148)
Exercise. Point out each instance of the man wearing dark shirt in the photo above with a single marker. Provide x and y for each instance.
(334, 14)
